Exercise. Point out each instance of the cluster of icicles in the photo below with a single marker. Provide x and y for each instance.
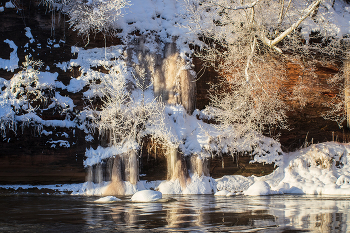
(121, 168)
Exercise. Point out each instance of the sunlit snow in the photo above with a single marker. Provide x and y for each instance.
(146, 196)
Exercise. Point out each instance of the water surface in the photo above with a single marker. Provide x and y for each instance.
(190, 213)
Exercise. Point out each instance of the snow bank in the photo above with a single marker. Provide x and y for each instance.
(195, 185)
(334, 17)
(319, 169)
(146, 196)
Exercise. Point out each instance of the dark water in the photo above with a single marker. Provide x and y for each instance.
(191, 213)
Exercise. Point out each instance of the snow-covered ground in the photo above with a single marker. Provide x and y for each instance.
(321, 169)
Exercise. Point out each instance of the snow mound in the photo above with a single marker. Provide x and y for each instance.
(259, 188)
(107, 199)
(319, 169)
(224, 193)
(146, 196)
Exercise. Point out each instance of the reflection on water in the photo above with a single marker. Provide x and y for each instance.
(192, 213)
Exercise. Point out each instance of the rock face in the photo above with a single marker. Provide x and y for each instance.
(57, 157)
(30, 158)
(307, 125)
(27, 156)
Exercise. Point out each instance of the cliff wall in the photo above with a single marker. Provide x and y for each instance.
(57, 156)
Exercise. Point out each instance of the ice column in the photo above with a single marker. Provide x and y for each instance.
(116, 187)
(199, 165)
(176, 166)
(133, 167)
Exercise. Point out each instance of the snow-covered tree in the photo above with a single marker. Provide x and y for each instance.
(24, 85)
(124, 120)
(250, 41)
(94, 16)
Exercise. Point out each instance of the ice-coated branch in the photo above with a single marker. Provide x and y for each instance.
(250, 57)
(273, 43)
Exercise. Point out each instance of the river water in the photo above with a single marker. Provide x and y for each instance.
(190, 213)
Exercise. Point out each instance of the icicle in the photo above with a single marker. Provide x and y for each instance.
(172, 159)
(89, 178)
(99, 174)
(173, 82)
(133, 167)
(176, 167)
(199, 165)
(155, 152)
(109, 169)
(203, 168)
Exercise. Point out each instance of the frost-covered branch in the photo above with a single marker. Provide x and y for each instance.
(274, 42)
(283, 11)
(94, 16)
(250, 57)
